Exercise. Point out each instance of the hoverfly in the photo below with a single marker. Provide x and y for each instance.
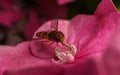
(52, 35)
(58, 37)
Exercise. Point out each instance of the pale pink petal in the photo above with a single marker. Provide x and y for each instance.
(42, 49)
(81, 26)
(48, 46)
(92, 34)
(88, 33)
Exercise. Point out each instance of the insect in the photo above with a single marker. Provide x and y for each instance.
(52, 35)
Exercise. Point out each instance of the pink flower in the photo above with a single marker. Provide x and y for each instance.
(8, 4)
(10, 12)
(91, 34)
(61, 2)
(9, 17)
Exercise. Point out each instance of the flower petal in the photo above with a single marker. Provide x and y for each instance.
(41, 49)
(81, 26)
(19, 57)
(105, 7)
(18, 61)
(111, 61)
(37, 70)
(84, 67)
(7, 4)
(62, 2)
(116, 37)
(8, 17)
(91, 34)
(32, 25)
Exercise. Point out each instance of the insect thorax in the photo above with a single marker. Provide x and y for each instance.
(56, 36)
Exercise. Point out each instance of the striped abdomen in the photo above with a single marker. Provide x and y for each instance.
(54, 35)
(42, 34)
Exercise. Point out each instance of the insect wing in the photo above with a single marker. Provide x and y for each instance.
(54, 24)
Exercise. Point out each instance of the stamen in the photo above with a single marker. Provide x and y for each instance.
(65, 55)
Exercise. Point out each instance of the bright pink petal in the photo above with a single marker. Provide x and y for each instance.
(105, 7)
(111, 56)
(111, 61)
(92, 34)
(62, 2)
(18, 57)
(116, 37)
(19, 61)
(15, 58)
(88, 33)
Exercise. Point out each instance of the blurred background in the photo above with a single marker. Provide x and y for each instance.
(19, 19)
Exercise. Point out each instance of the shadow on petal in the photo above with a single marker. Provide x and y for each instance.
(40, 70)
(111, 61)
(83, 67)
(42, 49)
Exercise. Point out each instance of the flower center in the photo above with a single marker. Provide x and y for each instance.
(65, 55)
